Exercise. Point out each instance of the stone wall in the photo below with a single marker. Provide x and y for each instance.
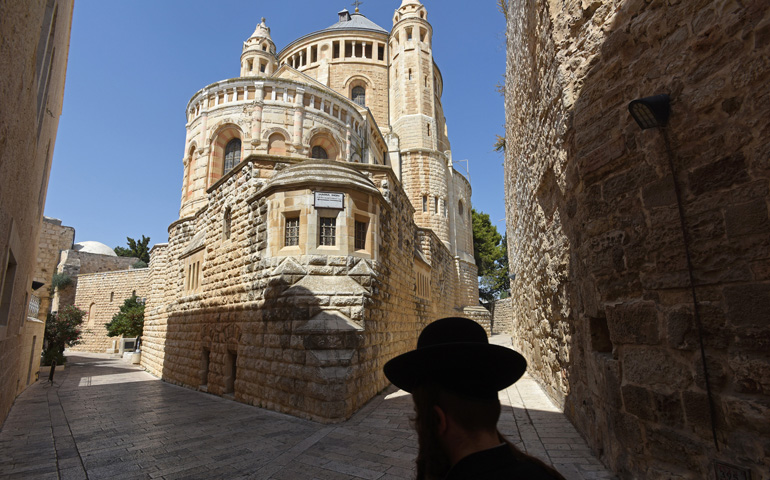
(75, 263)
(54, 238)
(502, 316)
(602, 302)
(101, 295)
(302, 334)
(32, 90)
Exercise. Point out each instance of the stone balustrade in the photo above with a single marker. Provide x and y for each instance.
(275, 92)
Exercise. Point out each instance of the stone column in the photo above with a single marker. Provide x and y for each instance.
(299, 119)
(348, 137)
(256, 114)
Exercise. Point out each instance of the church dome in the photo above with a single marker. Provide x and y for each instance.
(354, 21)
(94, 247)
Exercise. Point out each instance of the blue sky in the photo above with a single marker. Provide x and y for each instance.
(133, 66)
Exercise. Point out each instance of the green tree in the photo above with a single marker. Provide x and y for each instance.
(491, 254)
(139, 249)
(129, 321)
(62, 330)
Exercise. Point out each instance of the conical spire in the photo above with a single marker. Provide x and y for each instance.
(408, 9)
(258, 57)
(262, 30)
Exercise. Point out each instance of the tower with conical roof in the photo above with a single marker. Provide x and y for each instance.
(258, 57)
(440, 196)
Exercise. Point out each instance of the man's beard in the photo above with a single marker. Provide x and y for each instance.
(432, 461)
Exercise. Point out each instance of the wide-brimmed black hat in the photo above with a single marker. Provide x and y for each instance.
(454, 353)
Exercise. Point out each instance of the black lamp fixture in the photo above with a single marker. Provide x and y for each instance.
(651, 112)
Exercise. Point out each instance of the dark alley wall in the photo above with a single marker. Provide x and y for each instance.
(602, 304)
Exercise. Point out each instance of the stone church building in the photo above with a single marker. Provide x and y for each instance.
(321, 226)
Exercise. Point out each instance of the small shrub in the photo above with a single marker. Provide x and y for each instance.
(139, 264)
(129, 321)
(60, 280)
(62, 330)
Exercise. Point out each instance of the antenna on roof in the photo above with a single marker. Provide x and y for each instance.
(356, 4)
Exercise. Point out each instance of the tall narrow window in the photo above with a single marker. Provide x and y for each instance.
(359, 95)
(361, 228)
(319, 152)
(227, 220)
(292, 232)
(7, 293)
(424, 203)
(328, 233)
(232, 154)
(435, 205)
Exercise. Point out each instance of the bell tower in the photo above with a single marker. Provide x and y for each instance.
(258, 57)
(417, 120)
(411, 63)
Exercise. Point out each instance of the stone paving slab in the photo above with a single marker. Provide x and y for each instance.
(106, 419)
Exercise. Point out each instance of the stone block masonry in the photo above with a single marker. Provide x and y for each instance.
(304, 263)
(602, 306)
(101, 295)
(54, 238)
(301, 334)
(33, 58)
(502, 316)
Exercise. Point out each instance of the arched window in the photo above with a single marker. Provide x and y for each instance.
(232, 154)
(276, 144)
(460, 208)
(359, 95)
(323, 146)
(319, 152)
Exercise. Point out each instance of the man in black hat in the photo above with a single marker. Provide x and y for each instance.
(454, 377)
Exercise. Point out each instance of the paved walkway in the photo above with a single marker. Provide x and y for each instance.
(104, 418)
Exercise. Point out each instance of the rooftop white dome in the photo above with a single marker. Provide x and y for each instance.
(94, 247)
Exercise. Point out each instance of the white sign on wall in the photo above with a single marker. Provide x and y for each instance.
(329, 200)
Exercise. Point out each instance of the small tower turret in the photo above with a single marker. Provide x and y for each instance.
(411, 62)
(258, 57)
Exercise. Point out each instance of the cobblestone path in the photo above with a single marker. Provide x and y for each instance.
(105, 419)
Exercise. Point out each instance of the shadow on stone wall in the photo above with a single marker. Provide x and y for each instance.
(286, 352)
(613, 331)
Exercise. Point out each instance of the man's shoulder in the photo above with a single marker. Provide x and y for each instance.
(500, 463)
